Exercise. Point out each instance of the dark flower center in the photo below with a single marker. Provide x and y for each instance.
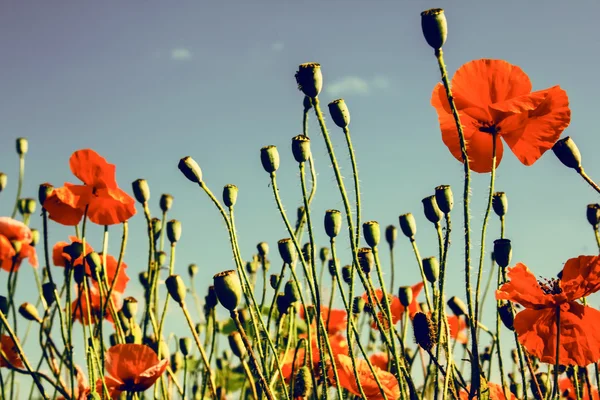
(550, 286)
(488, 127)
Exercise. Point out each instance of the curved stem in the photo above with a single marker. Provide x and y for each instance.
(356, 184)
(589, 180)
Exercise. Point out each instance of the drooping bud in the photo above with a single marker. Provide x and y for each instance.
(425, 331)
(287, 251)
(166, 202)
(185, 345)
(324, 254)
(269, 157)
(435, 27)
(228, 288)
(500, 203)
(502, 252)
(230, 193)
(174, 230)
(431, 267)
(30, 312)
(408, 225)
(567, 152)
(302, 383)
(431, 209)
(339, 113)
(22, 146)
(372, 233)
(301, 148)
(236, 344)
(130, 307)
(190, 169)
(307, 252)
(176, 288)
(283, 303)
(391, 233)
(79, 274)
(457, 306)
(506, 315)
(251, 267)
(444, 198)
(3, 181)
(593, 215)
(192, 270)
(310, 79)
(141, 190)
(333, 223)
(366, 259)
(405, 294)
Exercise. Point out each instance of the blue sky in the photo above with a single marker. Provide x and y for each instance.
(146, 83)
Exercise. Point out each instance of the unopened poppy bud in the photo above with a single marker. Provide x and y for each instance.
(30, 312)
(163, 349)
(457, 306)
(333, 223)
(302, 383)
(3, 181)
(176, 288)
(185, 345)
(269, 157)
(177, 361)
(130, 307)
(567, 152)
(324, 254)
(3, 305)
(506, 315)
(593, 214)
(48, 289)
(141, 190)
(502, 252)
(74, 250)
(190, 169)
(291, 292)
(192, 270)
(408, 225)
(35, 237)
(424, 307)
(500, 203)
(347, 274)
(431, 267)
(310, 79)
(287, 251)
(391, 233)
(263, 249)
(435, 27)
(79, 274)
(156, 227)
(22, 146)
(299, 215)
(405, 294)
(358, 305)
(372, 233)
(144, 281)
(161, 257)
(431, 209)
(339, 113)
(274, 280)
(444, 198)
(283, 303)
(366, 259)
(236, 344)
(44, 191)
(425, 331)
(166, 202)
(301, 148)
(230, 193)
(174, 230)
(228, 288)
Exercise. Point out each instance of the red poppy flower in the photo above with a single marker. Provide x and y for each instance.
(380, 360)
(536, 324)
(567, 390)
(338, 343)
(79, 307)
(495, 393)
(60, 257)
(366, 378)
(395, 306)
(458, 327)
(132, 368)
(8, 353)
(493, 96)
(12, 230)
(106, 204)
(335, 320)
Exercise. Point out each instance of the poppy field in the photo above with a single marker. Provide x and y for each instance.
(269, 326)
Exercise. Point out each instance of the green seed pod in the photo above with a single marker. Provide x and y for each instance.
(269, 157)
(166, 202)
(431, 267)
(3, 181)
(506, 315)
(161, 257)
(211, 299)
(307, 252)
(22, 146)
(236, 344)
(405, 294)
(177, 361)
(291, 292)
(358, 305)
(174, 230)
(502, 252)
(30, 312)
(391, 233)
(567, 152)
(301, 148)
(339, 113)
(324, 254)
(287, 251)
(274, 280)
(230, 193)
(192, 270)
(185, 346)
(27, 206)
(333, 223)
(190, 169)
(176, 288)
(593, 215)
(130, 307)
(435, 27)
(457, 306)
(302, 382)
(283, 303)
(310, 79)
(156, 227)
(44, 191)
(444, 198)
(35, 237)
(228, 288)
(347, 274)
(144, 280)
(500, 203)
(48, 289)
(366, 259)
(425, 331)
(431, 209)
(141, 191)
(408, 225)
(3, 305)
(372, 233)
(332, 267)
(263, 249)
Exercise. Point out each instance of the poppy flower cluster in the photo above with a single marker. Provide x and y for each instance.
(15, 244)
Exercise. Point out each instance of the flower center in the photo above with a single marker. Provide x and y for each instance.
(550, 286)
(488, 127)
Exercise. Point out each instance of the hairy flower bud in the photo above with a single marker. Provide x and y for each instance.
(185, 346)
(192, 270)
(593, 215)
(302, 383)
(435, 27)
(339, 113)
(274, 281)
(324, 254)
(405, 295)
(391, 233)
(310, 79)
(457, 306)
(130, 307)
(425, 331)
(506, 315)
(48, 289)
(141, 190)
(35, 237)
(30, 312)
(236, 344)
(292, 292)
(269, 157)
(263, 249)
(358, 305)
(230, 193)
(347, 274)
(228, 288)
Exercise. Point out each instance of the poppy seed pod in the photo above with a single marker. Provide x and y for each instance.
(372, 233)
(22, 146)
(263, 249)
(502, 252)
(408, 225)
(161, 258)
(366, 259)
(287, 251)
(339, 113)
(431, 268)
(274, 281)
(79, 274)
(27, 206)
(444, 198)
(35, 237)
(431, 209)
(269, 157)
(166, 202)
(457, 306)
(3, 181)
(74, 250)
(30, 312)
(301, 148)
(347, 273)
(307, 252)
(310, 79)
(506, 315)
(302, 383)
(190, 169)
(141, 190)
(391, 233)
(230, 193)
(292, 292)
(48, 289)
(333, 223)
(174, 230)
(228, 288)
(130, 307)
(185, 346)
(3, 305)
(211, 297)
(283, 303)
(500, 203)
(156, 227)
(435, 27)
(324, 254)
(144, 280)
(405, 295)
(425, 331)
(44, 191)
(567, 152)
(358, 305)
(236, 344)
(332, 266)
(593, 215)
(192, 270)
(176, 288)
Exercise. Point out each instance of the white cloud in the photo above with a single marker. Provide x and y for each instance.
(277, 46)
(181, 54)
(356, 85)
(381, 82)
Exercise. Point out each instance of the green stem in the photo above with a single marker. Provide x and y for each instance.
(356, 184)
(589, 180)
(557, 364)
(20, 184)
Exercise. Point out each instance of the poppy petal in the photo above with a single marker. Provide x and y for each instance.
(15, 230)
(28, 252)
(348, 381)
(523, 288)
(66, 205)
(581, 276)
(93, 169)
(120, 281)
(7, 252)
(111, 206)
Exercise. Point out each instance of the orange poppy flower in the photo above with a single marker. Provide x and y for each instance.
(338, 343)
(536, 324)
(60, 257)
(395, 306)
(12, 230)
(8, 353)
(458, 327)
(495, 392)
(106, 204)
(338, 319)
(131, 368)
(79, 307)
(493, 96)
(567, 390)
(366, 378)
(380, 360)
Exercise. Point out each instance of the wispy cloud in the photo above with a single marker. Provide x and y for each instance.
(277, 46)
(181, 54)
(356, 85)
